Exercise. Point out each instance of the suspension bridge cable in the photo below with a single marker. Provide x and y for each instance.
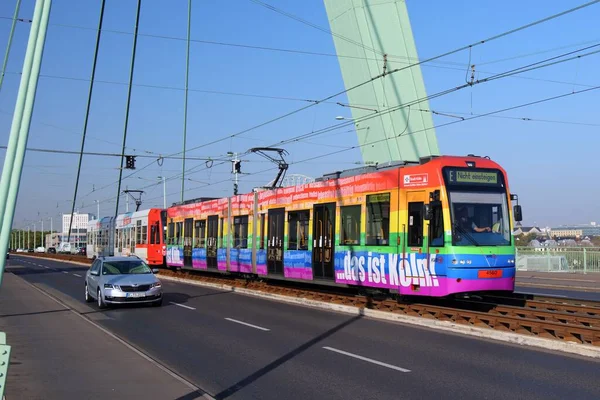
(87, 115)
(131, 71)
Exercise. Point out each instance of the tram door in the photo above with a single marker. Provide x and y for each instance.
(188, 229)
(415, 242)
(275, 242)
(211, 241)
(323, 240)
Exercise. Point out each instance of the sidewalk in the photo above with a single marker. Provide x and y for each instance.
(56, 354)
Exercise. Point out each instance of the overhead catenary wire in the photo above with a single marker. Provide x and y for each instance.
(427, 60)
(544, 100)
(88, 136)
(501, 75)
(458, 65)
(313, 25)
(100, 154)
(274, 97)
(511, 108)
(509, 32)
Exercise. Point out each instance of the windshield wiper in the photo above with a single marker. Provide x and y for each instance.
(466, 234)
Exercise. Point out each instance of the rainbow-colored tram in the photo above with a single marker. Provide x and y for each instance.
(433, 228)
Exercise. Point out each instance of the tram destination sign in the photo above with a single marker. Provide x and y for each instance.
(464, 176)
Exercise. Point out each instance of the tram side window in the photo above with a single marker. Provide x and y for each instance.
(298, 230)
(171, 233)
(378, 219)
(144, 234)
(436, 227)
(240, 232)
(178, 233)
(158, 233)
(138, 233)
(200, 234)
(415, 224)
(153, 228)
(350, 226)
(261, 238)
(221, 236)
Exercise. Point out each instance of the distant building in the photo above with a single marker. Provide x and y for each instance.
(52, 240)
(78, 229)
(526, 230)
(578, 230)
(566, 232)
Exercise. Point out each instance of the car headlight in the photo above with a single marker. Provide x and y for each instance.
(156, 284)
(109, 286)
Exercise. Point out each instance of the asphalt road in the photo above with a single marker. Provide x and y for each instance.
(570, 294)
(236, 346)
(47, 361)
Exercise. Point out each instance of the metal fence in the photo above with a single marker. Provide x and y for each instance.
(559, 259)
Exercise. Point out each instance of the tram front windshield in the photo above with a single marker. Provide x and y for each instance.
(479, 219)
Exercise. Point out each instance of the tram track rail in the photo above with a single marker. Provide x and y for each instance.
(564, 319)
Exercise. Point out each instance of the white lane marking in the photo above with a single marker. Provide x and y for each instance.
(367, 359)
(181, 305)
(46, 267)
(77, 275)
(247, 324)
(65, 272)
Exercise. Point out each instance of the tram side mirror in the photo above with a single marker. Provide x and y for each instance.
(427, 212)
(518, 213)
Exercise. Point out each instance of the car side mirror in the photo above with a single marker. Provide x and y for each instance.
(518, 213)
(155, 271)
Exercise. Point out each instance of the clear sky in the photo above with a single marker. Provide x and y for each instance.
(551, 156)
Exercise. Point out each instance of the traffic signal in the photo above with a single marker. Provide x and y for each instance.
(129, 162)
(235, 189)
(237, 167)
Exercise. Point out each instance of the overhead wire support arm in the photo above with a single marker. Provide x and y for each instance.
(138, 201)
(281, 163)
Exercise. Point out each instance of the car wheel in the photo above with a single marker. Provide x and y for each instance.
(100, 301)
(88, 298)
(157, 303)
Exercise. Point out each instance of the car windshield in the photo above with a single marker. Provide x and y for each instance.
(479, 219)
(129, 267)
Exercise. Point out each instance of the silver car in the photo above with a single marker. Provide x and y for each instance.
(120, 280)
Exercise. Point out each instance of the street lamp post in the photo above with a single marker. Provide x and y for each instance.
(164, 181)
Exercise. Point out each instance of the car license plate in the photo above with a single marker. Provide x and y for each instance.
(490, 273)
(138, 294)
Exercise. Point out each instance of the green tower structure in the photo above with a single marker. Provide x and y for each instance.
(373, 37)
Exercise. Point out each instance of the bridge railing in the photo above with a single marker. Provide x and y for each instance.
(558, 259)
